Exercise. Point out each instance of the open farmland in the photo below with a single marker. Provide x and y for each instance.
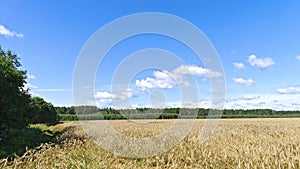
(236, 143)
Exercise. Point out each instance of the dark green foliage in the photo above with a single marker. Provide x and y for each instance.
(172, 110)
(42, 111)
(18, 109)
(67, 117)
(174, 113)
(86, 109)
(142, 109)
(65, 110)
(109, 111)
(77, 110)
(16, 140)
(14, 98)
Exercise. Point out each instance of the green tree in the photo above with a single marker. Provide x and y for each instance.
(14, 99)
(42, 111)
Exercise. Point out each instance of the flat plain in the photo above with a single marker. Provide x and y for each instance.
(236, 143)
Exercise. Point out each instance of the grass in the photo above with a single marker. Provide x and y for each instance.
(236, 143)
(17, 141)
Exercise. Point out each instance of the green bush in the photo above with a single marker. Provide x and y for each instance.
(42, 112)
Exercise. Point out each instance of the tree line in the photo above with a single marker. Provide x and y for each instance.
(18, 108)
(169, 113)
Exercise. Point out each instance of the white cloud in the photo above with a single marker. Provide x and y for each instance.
(150, 83)
(244, 98)
(104, 102)
(6, 32)
(289, 90)
(176, 104)
(105, 99)
(128, 93)
(161, 74)
(249, 97)
(298, 58)
(30, 76)
(162, 80)
(168, 80)
(103, 95)
(246, 82)
(238, 65)
(191, 70)
(196, 70)
(258, 100)
(260, 63)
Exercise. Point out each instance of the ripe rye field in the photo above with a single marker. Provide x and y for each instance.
(236, 143)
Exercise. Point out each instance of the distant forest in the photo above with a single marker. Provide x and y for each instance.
(95, 113)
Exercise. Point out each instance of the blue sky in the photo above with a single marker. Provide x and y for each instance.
(257, 42)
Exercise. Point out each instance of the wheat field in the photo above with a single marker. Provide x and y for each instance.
(236, 143)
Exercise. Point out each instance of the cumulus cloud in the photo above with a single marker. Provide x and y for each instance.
(298, 58)
(196, 70)
(161, 80)
(104, 103)
(289, 90)
(103, 95)
(260, 62)
(128, 93)
(6, 32)
(242, 81)
(168, 80)
(150, 83)
(238, 65)
(161, 74)
(104, 98)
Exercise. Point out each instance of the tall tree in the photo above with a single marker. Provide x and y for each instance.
(14, 99)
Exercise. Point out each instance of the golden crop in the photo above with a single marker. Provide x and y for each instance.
(236, 143)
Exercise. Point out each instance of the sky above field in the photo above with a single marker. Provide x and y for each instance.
(257, 43)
